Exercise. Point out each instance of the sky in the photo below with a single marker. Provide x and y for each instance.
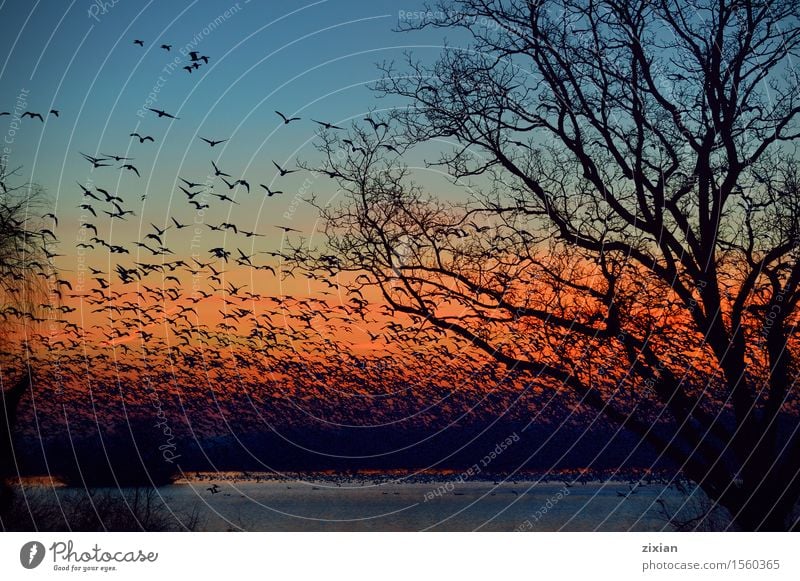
(313, 60)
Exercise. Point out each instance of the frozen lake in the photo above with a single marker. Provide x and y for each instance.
(435, 506)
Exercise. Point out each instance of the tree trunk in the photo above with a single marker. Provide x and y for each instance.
(9, 405)
(765, 503)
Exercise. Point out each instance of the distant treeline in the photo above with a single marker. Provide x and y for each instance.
(136, 453)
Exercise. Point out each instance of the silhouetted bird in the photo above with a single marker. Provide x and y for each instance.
(95, 161)
(161, 113)
(142, 138)
(283, 172)
(287, 120)
(270, 192)
(213, 142)
(130, 167)
(326, 125)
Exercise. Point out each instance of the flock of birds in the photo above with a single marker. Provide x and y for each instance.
(32, 114)
(222, 347)
(135, 313)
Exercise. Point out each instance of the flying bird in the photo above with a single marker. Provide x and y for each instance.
(161, 113)
(95, 161)
(166, 47)
(89, 208)
(190, 195)
(33, 116)
(87, 192)
(220, 253)
(225, 198)
(196, 56)
(284, 172)
(139, 42)
(130, 167)
(376, 125)
(270, 192)
(213, 142)
(118, 157)
(178, 225)
(287, 120)
(54, 112)
(389, 147)
(217, 171)
(190, 184)
(142, 138)
(326, 125)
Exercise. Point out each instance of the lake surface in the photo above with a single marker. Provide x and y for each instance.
(428, 506)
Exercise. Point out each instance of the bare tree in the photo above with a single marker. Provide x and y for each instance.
(633, 225)
(24, 271)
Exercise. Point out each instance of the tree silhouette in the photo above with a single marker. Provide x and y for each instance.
(24, 271)
(632, 229)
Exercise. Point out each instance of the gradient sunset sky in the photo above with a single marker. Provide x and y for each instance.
(312, 60)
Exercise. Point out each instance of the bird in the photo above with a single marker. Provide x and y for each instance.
(198, 205)
(119, 214)
(376, 125)
(287, 229)
(217, 171)
(190, 195)
(213, 142)
(87, 192)
(196, 56)
(95, 161)
(33, 115)
(130, 167)
(190, 184)
(270, 192)
(225, 198)
(283, 172)
(89, 208)
(109, 197)
(287, 120)
(117, 157)
(142, 138)
(326, 125)
(139, 42)
(220, 253)
(161, 113)
(213, 489)
(354, 147)
(178, 225)
(4, 113)
(166, 47)
(54, 112)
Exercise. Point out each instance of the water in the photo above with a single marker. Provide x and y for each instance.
(434, 506)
